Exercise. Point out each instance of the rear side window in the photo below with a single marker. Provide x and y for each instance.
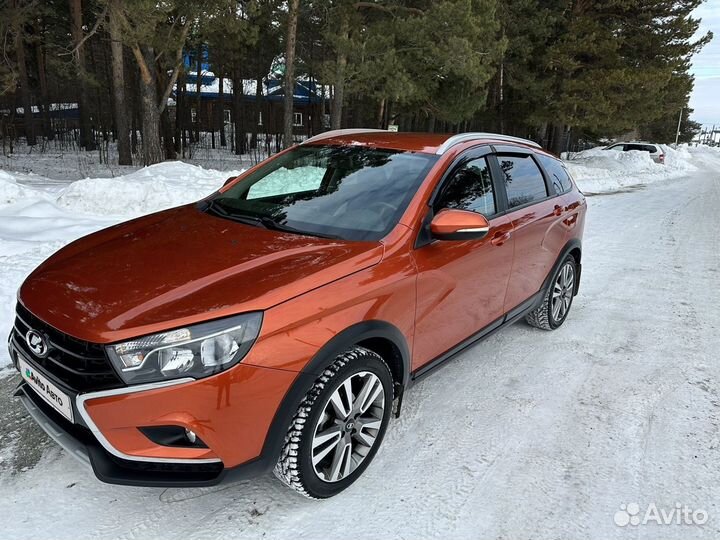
(523, 180)
(641, 147)
(559, 177)
(469, 188)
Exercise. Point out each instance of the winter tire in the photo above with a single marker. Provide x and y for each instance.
(557, 301)
(339, 425)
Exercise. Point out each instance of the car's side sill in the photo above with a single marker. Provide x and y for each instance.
(510, 317)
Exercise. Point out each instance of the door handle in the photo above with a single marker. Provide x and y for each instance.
(500, 238)
(558, 210)
(571, 220)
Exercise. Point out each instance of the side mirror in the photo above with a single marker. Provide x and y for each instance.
(229, 180)
(451, 224)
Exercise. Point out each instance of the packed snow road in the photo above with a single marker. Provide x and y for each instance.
(528, 434)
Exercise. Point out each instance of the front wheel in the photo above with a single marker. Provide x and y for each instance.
(557, 301)
(339, 425)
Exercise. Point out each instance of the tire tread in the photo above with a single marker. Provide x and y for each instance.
(540, 317)
(287, 469)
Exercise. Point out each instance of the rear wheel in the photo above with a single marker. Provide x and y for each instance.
(557, 301)
(339, 425)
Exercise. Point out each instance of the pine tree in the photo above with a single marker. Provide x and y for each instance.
(151, 33)
(122, 127)
(289, 80)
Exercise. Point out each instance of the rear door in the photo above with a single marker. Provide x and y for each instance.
(536, 213)
(562, 185)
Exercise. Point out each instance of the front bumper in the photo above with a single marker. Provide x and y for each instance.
(80, 444)
(242, 415)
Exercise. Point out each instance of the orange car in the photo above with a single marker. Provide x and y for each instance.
(276, 324)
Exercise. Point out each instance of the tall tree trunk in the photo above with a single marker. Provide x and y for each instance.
(340, 67)
(152, 149)
(256, 111)
(294, 6)
(24, 87)
(179, 104)
(86, 136)
(212, 117)
(134, 130)
(542, 137)
(122, 130)
(198, 89)
(165, 124)
(381, 114)
(221, 97)
(556, 144)
(501, 94)
(42, 77)
(237, 97)
(167, 134)
(99, 121)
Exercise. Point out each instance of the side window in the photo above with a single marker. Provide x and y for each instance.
(559, 177)
(523, 180)
(638, 147)
(469, 188)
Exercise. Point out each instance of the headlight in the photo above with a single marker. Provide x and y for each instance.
(196, 351)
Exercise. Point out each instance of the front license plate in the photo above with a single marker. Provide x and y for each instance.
(58, 399)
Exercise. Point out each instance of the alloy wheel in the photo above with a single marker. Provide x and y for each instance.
(563, 292)
(348, 426)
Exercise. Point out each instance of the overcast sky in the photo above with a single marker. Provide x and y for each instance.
(705, 98)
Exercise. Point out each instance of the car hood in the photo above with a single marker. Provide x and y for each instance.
(179, 267)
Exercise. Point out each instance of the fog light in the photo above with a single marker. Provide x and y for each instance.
(177, 436)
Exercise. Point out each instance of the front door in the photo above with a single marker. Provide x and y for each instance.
(461, 284)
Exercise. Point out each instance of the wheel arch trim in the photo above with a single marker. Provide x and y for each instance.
(358, 333)
(570, 245)
(306, 378)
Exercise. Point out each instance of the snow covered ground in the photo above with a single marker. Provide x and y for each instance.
(601, 171)
(526, 435)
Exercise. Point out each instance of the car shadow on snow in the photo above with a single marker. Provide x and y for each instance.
(22, 443)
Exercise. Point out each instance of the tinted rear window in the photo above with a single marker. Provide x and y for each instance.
(559, 177)
(523, 180)
(641, 147)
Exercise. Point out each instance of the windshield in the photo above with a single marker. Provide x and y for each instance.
(348, 192)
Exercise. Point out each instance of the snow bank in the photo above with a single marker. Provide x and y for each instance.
(39, 215)
(600, 171)
(150, 189)
(10, 191)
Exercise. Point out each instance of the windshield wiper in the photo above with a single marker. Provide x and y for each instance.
(263, 221)
(216, 208)
(270, 223)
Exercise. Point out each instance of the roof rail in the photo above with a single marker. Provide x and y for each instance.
(464, 137)
(340, 132)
